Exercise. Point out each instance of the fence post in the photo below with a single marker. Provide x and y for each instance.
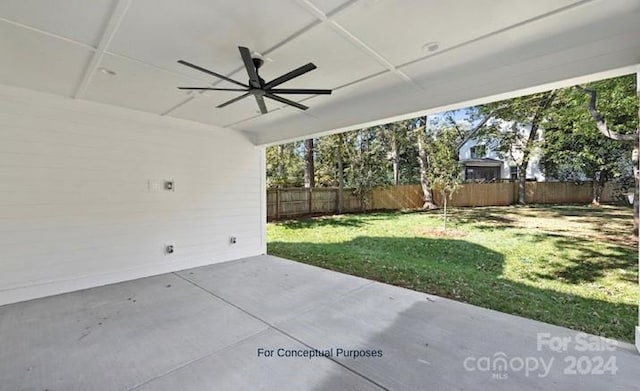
(277, 204)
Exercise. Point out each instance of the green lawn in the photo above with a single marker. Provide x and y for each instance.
(569, 265)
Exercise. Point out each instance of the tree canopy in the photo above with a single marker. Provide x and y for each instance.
(558, 125)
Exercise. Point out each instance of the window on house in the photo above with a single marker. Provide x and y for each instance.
(482, 174)
(514, 173)
(478, 151)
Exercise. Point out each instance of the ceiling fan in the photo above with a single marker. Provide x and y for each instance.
(257, 86)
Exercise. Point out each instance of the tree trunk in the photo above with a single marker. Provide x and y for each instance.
(636, 193)
(280, 167)
(340, 167)
(423, 159)
(636, 169)
(309, 171)
(636, 166)
(595, 197)
(598, 187)
(395, 159)
(544, 104)
(522, 183)
(444, 200)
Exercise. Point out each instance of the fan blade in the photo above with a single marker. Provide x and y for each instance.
(261, 104)
(285, 101)
(254, 80)
(227, 103)
(290, 75)
(212, 73)
(212, 89)
(299, 91)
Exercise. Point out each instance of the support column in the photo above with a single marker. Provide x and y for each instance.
(636, 169)
(263, 198)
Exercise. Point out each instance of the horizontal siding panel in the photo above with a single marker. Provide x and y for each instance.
(76, 201)
(15, 243)
(39, 224)
(46, 228)
(49, 252)
(119, 195)
(120, 260)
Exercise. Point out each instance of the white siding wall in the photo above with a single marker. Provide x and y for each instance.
(76, 209)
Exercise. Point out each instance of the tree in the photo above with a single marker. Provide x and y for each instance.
(330, 162)
(573, 147)
(309, 171)
(423, 160)
(284, 165)
(525, 113)
(623, 127)
(579, 154)
(445, 172)
(365, 152)
(396, 140)
(339, 159)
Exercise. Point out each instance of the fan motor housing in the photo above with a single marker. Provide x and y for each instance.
(257, 61)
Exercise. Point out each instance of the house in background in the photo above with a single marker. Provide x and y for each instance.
(483, 162)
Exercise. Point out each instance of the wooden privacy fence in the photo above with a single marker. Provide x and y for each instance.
(295, 202)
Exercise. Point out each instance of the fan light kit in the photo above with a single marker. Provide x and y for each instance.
(256, 86)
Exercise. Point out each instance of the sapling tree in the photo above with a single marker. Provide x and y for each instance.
(445, 172)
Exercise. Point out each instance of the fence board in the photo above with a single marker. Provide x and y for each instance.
(396, 197)
(295, 202)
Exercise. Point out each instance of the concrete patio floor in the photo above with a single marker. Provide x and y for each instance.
(201, 329)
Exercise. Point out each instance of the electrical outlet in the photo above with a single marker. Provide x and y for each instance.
(233, 240)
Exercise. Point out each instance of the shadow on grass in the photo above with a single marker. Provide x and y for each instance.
(605, 224)
(582, 263)
(485, 217)
(335, 221)
(464, 271)
(321, 222)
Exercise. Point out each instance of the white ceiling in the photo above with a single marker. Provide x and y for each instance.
(369, 51)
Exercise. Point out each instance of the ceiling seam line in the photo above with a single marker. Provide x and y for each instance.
(177, 106)
(496, 32)
(316, 12)
(371, 52)
(248, 119)
(109, 32)
(346, 34)
(155, 67)
(48, 34)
